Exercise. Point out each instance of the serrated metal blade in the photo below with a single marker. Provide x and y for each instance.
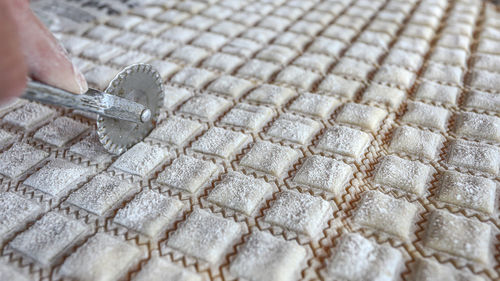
(142, 84)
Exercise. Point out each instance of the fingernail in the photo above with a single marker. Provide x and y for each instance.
(81, 82)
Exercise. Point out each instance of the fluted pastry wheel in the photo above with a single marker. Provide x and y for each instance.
(299, 140)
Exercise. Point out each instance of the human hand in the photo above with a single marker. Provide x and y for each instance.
(29, 49)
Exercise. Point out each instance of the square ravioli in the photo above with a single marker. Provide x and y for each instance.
(418, 31)
(164, 68)
(324, 173)
(210, 41)
(131, 57)
(223, 62)
(306, 27)
(321, 17)
(218, 12)
(294, 128)
(475, 156)
(364, 116)
(227, 28)
(458, 236)
(317, 62)
(158, 47)
(356, 258)
(230, 86)
(443, 73)
(160, 269)
(100, 76)
(449, 56)
(220, 142)
(57, 176)
(205, 106)
(302, 213)
(427, 270)
(102, 52)
(297, 77)
(6, 138)
(426, 115)
(239, 192)
(141, 159)
(103, 33)
(130, 40)
(344, 141)
(375, 38)
(241, 47)
(198, 22)
(384, 26)
(394, 75)
(259, 69)
(205, 236)
(483, 101)
(387, 214)
(352, 68)
(454, 41)
(336, 85)
(187, 173)
(314, 105)
(91, 148)
(412, 44)
(330, 47)
(173, 96)
(28, 116)
(268, 258)
(149, 213)
(176, 130)
(101, 194)
(364, 52)
(192, 7)
(478, 126)
(60, 131)
(19, 158)
(74, 45)
(488, 46)
(407, 175)
(103, 257)
(269, 158)
(45, 240)
(428, 90)
(258, 34)
(179, 34)
(250, 117)
(421, 143)
(270, 94)
(277, 54)
(384, 95)
(193, 77)
(15, 211)
(339, 32)
(404, 59)
(467, 191)
(487, 62)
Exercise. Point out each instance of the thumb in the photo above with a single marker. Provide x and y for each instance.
(46, 59)
(12, 66)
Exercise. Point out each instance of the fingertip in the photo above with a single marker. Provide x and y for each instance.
(12, 89)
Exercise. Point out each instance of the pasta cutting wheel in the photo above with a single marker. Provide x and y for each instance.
(127, 109)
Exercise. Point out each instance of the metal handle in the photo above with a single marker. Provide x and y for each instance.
(92, 101)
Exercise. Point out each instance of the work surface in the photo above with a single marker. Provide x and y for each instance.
(342, 140)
